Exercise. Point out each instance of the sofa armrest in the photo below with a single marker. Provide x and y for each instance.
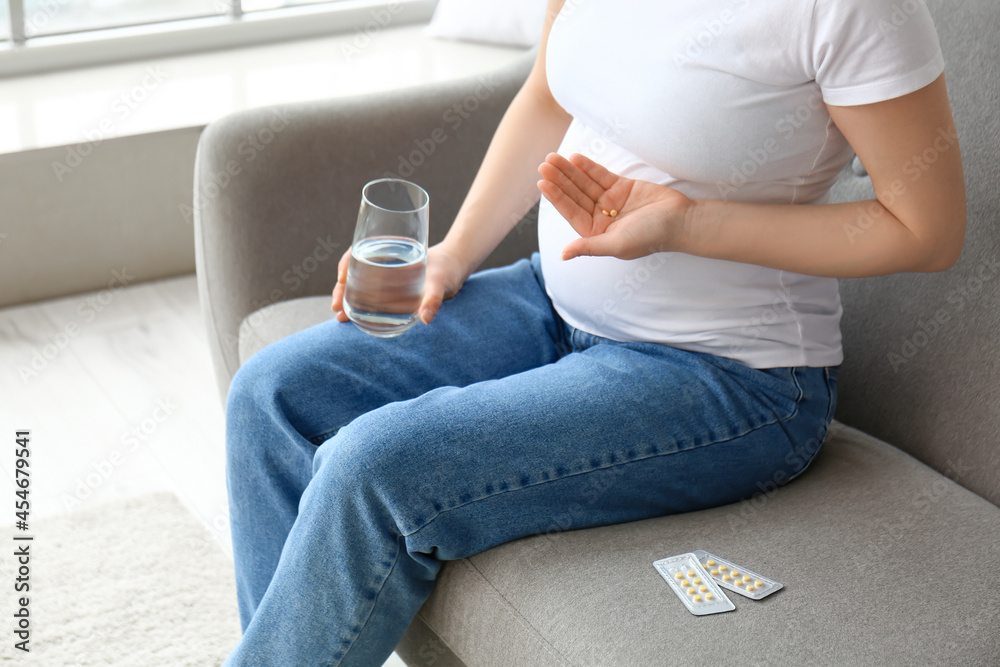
(277, 189)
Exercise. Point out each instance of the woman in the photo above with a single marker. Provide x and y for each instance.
(673, 345)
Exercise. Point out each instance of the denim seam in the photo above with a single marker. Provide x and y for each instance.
(826, 428)
(590, 470)
(798, 399)
(371, 610)
(325, 436)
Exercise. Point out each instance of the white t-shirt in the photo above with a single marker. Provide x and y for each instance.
(720, 99)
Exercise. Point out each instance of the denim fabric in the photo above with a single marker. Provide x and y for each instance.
(356, 465)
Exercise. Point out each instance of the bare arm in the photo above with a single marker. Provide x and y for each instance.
(504, 188)
(502, 192)
(909, 146)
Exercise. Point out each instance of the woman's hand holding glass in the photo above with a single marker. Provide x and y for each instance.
(445, 275)
(648, 217)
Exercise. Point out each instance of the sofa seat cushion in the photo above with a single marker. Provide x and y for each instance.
(883, 559)
(274, 322)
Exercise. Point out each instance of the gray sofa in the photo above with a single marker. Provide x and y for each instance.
(888, 546)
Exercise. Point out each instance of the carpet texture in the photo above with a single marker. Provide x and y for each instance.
(133, 582)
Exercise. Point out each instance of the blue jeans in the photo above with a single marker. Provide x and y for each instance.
(357, 465)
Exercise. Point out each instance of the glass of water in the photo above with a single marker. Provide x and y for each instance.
(385, 279)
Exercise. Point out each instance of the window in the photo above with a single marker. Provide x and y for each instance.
(4, 21)
(45, 17)
(45, 35)
(257, 5)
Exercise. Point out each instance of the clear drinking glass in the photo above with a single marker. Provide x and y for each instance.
(385, 279)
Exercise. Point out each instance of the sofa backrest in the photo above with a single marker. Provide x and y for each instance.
(922, 351)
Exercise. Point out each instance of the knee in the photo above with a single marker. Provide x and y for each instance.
(379, 459)
(271, 380)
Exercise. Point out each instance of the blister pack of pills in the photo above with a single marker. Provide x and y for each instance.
(735, 578)
(693, 585)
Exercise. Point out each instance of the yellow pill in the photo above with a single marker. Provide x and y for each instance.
(709, 596)
(680, 575)
(684, 582)
(734, 573)
(726, 577)
(749, 587)
(746, 577)
(703, 588)
(758, 583)
(690, 573)
(691, 591)
(711, 562)
(715, 573)
(697, 598)
(697, 581)
(738, 582)
(614, 213)
(604, 212)
(722, 568)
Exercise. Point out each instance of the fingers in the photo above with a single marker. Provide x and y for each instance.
(582, 221)
(598, 174)
(573, 174)
(337, 305)
(569, 188)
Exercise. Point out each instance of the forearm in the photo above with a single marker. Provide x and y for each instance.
(850, 240)
(504, 189)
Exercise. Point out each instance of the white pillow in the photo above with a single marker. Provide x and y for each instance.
(514, 22)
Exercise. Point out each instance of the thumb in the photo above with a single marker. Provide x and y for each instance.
(598, 245)
(431, 303)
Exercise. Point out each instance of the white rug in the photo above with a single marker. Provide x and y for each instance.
(134, 582)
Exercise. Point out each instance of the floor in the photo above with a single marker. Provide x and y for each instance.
(118, 392)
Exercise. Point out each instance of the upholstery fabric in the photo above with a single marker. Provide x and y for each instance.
(935, 392)
(878, 553)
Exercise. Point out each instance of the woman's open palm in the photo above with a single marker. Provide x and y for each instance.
(614, 215)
